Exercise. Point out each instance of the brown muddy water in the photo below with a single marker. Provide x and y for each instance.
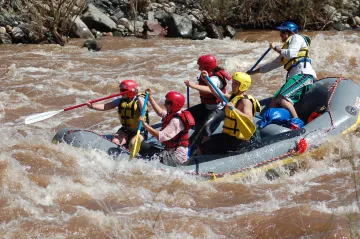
(58, 191)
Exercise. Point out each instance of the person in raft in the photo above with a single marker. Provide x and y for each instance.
(129, 110)
(209, 113)
(231, 138)
(174, 133)
(294, 56)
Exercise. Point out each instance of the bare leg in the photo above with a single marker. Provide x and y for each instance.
(119, 138)
(287, 105)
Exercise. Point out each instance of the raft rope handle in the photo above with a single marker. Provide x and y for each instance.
(333, 89)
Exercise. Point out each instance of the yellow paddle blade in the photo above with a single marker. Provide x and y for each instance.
(247, 127)
(136, 147)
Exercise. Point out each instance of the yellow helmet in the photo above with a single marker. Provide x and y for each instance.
(244, 80)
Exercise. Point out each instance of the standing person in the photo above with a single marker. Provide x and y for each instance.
(294, 56)
(209, 113)
(231, 138)
(129, 110)
(174, 133)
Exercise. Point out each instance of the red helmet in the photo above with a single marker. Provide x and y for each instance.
(177, 100)
(207, 62)
(129, 85)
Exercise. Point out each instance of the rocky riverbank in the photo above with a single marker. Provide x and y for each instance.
(147, 19)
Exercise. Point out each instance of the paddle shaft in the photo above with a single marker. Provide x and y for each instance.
(188, 96)
(143, 110)
(260, 59)
(94, 101)
(218, 91)
(136, 146)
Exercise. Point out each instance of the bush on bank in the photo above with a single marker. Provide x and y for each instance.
(34, 21)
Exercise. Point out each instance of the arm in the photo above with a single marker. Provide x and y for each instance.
(158, 110)
(213, 91)
(276, 63)
(295, 44)
(200, 88)
(151, 130)
(244, 107)
(101, 107)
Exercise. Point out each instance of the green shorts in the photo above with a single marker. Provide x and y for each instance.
(295, 87)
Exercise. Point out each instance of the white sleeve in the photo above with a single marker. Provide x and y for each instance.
(295, 44)
(217, 81)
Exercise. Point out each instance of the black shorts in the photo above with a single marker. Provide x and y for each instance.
(221, 144)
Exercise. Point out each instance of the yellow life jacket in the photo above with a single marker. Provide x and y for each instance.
(232, 125)
(303, 55)
(129, 113)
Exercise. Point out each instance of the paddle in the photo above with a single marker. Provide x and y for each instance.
(188, 96)
(43, 116)
(249, 126)
(136, 147)
(252, 68)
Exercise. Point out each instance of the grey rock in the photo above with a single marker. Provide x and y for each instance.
(18, 36)
(92, 45)
(5, 38)
(229, 31)
(214, 31)
(179, 26)
(96, 19)
(80, 30)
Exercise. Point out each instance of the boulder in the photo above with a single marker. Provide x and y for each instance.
(161, 16)
(18, 36)
(179, 26)
(80, 30)
(153, 29)
(92, 45)
(229, 31)
(214, 31)
(5, 38)
(95, 19)
(198, 35)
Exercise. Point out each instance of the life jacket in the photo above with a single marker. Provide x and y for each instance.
(182, 138)
(232, 125)
(318, 111)
(210, 98)
(129, 114)
(303, 55)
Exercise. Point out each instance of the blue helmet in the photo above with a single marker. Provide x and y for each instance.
(288, 26)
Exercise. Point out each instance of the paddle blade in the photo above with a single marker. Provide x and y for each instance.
(136, 147)
(42, 116)
(247, 127)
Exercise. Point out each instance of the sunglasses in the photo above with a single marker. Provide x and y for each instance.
(168, 102)
(283, 32)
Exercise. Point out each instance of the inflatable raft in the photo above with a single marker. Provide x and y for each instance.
(278, 145)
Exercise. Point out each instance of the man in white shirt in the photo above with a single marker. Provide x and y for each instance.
(293, 56)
